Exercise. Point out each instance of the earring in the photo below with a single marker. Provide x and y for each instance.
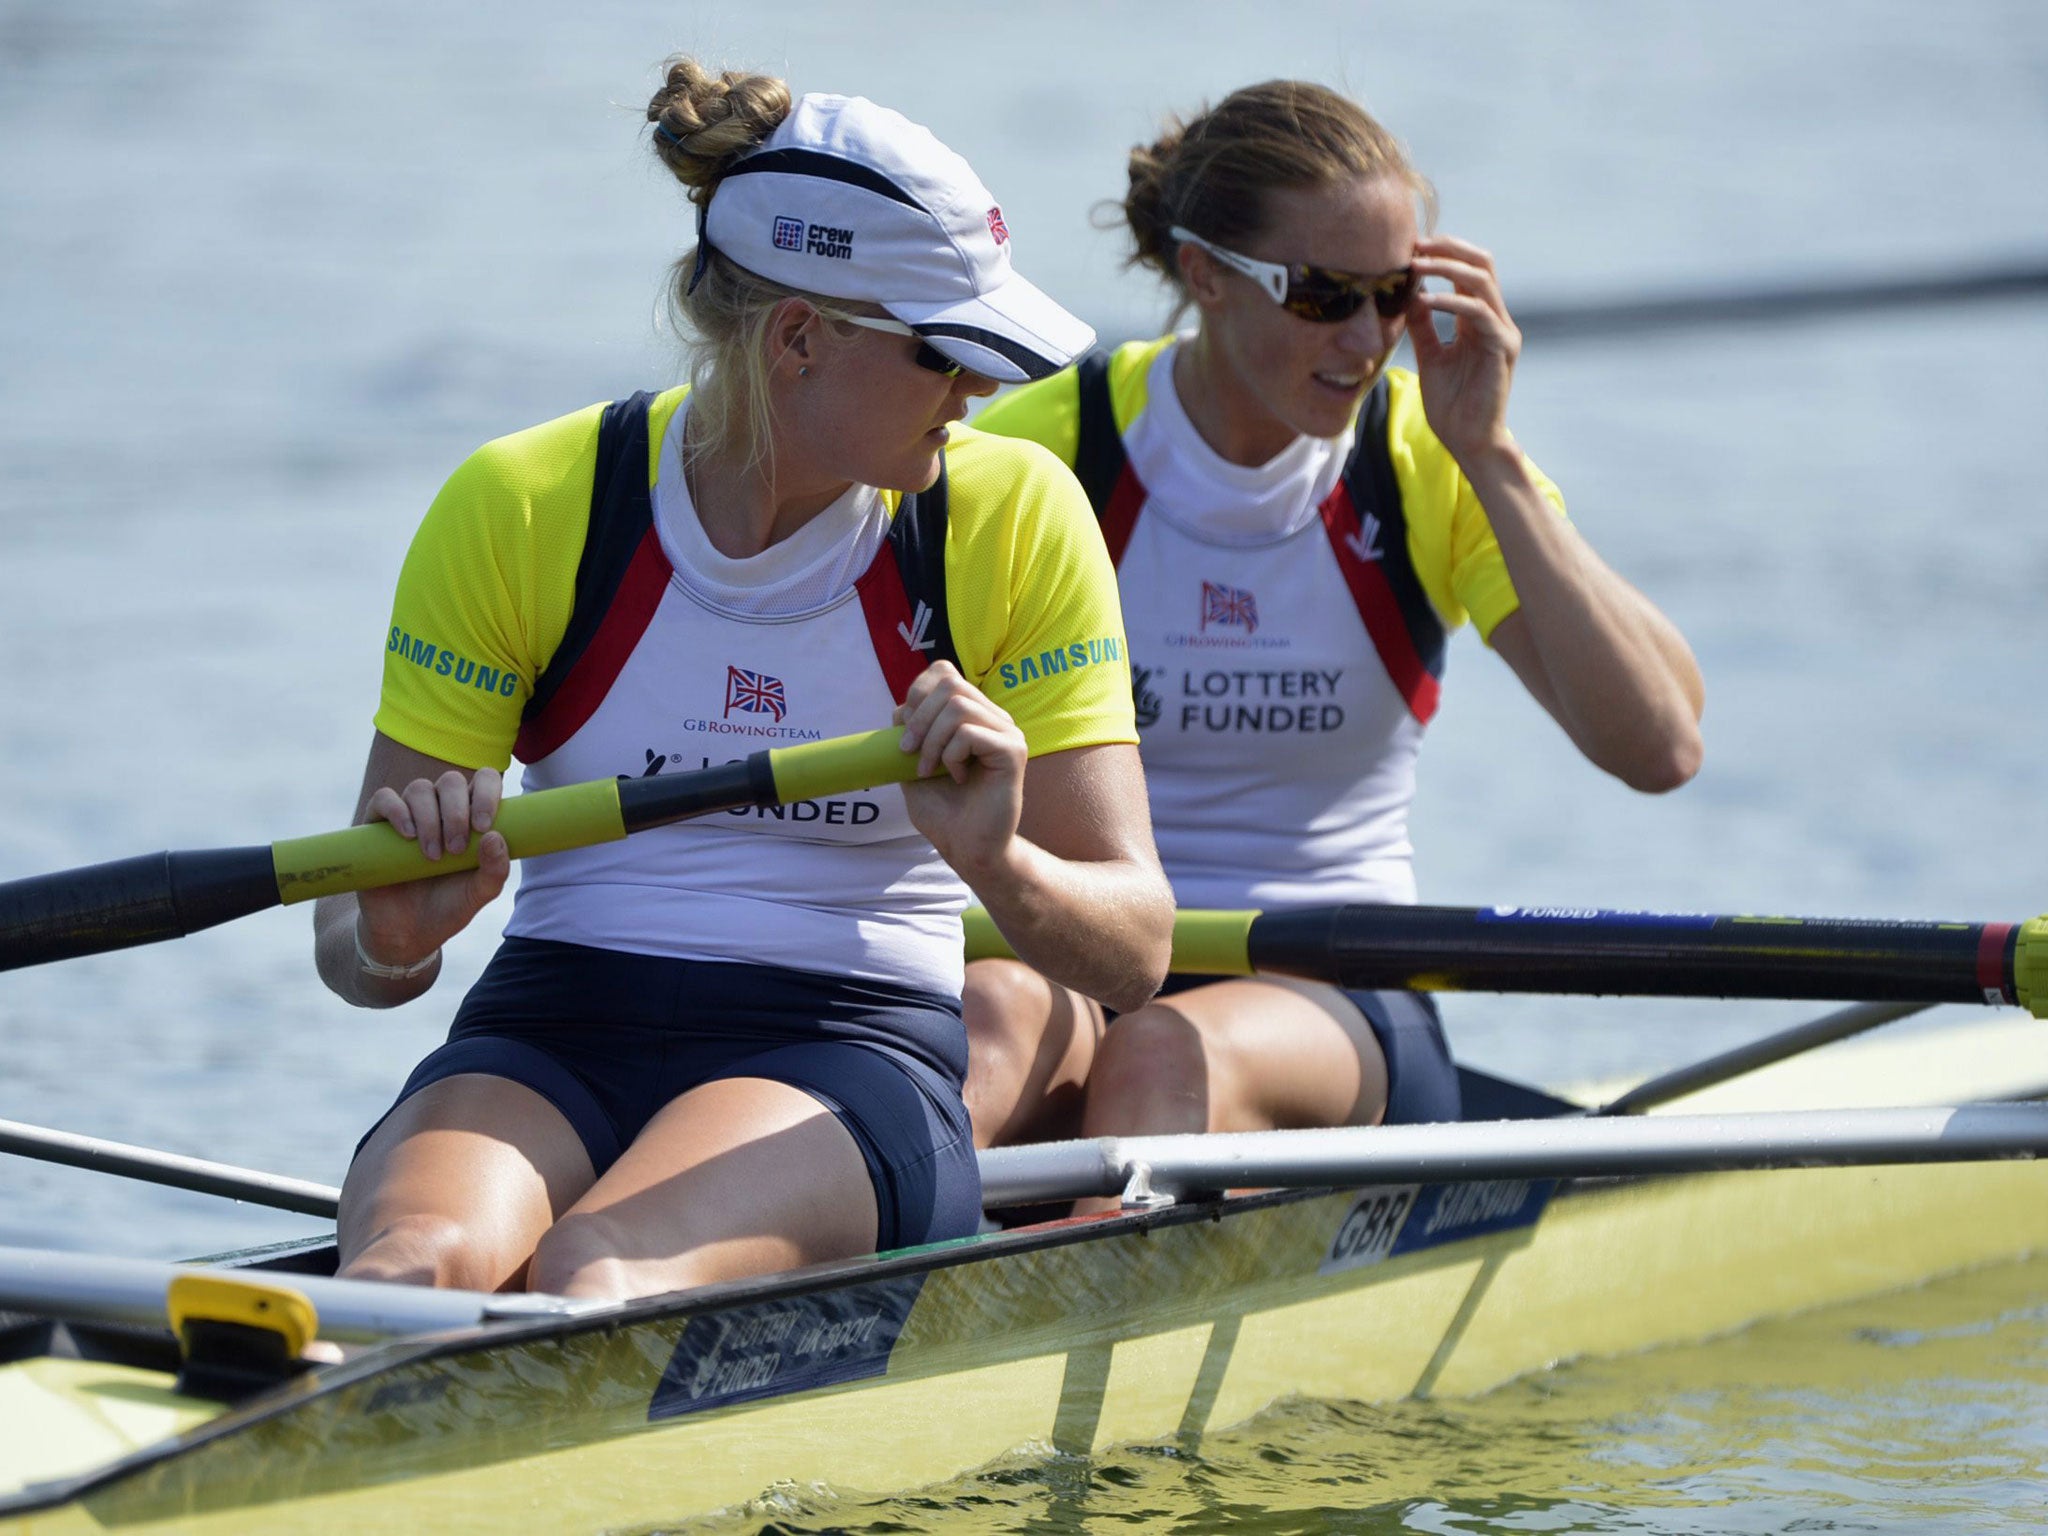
(803, 373)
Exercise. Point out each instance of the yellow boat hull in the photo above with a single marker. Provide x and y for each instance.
(1074, 1337)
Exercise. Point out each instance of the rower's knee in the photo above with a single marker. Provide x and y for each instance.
(1003, 1003)
(580, 1255)
(426, 1248)
(1153, 1076)
(591, 1256)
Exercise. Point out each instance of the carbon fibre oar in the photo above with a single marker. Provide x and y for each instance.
(171, 1169)
(1774, 302)
(1640, 954)
(1568, 1147)
(166, 895)
(116, 1290)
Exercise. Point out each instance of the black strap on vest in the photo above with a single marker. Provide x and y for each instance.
(1369, 476)
(1373, 486)
(1099, 448)
(918, 535)
(622, 510)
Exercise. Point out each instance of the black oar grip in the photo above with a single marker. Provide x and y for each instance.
(130, 901)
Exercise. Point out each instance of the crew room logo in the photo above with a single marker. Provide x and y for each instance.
(790, 234)
(1229, 608)
(754, 693)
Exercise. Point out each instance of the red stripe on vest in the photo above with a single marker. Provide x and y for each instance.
(886, 605)
(1121, 515)
(1991, 961)
(1377, 605)
(632, 610)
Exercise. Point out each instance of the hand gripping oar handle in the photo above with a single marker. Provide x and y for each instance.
(1639, 954)
(164, 895)
(601, 811)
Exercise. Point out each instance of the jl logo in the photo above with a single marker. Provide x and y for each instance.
(1365, 539)
(1144, 698)
(917, 633)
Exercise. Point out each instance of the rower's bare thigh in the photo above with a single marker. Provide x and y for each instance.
(464, 1175)
(1283, 1054)
(739, 1177)
(1030, 1045)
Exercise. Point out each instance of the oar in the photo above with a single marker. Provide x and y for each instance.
(1642, 954)
(1567, 1147)
(1564, 1147)
(1755, 1055)
(116, 1290)
(169, 1168)
(1773, 303)
(165, 895)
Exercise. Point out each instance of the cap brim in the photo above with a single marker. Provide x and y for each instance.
(1012, 334)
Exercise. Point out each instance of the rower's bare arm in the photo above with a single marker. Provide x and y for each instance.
(1099, 918)
(1611, 669)
(1058, 848)
(401, 927)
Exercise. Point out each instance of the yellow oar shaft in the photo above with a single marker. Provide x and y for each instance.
(361, 858)
(1204, 943)
(160, 896)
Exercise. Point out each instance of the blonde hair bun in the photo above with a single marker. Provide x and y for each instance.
(704, 122)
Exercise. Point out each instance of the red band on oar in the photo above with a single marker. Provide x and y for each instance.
(1991, 948)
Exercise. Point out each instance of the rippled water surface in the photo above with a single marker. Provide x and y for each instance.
(1914, 1412)
(268, 272)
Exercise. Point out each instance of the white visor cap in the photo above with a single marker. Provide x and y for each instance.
(853, 201)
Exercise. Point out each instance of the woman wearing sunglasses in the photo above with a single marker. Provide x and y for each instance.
(1297, 525)
(734, 1045)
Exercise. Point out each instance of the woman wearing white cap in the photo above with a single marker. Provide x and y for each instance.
(718, 1049)
(1297, 527)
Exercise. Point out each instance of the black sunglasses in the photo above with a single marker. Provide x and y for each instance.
(1315, 293)
(927, 356)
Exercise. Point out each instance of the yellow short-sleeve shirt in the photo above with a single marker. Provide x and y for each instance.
(488, 586)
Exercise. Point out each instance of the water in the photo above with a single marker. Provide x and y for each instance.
(1812, 1424)
(268, 273)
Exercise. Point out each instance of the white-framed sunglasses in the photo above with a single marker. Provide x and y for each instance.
(928, 357)
(1314, 293)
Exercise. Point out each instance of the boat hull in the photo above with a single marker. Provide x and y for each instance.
(1168, 1326)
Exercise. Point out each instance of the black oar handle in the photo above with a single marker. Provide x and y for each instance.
(130, 901)
(1642, 954)
(1590, 952)
(167, 895)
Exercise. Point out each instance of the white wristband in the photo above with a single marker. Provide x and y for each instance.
(390, 972)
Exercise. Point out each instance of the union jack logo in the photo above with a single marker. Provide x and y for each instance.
(753, 693)
(1229, 605)
(997, 227)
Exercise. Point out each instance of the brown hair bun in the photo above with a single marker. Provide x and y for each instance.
(1210, 174)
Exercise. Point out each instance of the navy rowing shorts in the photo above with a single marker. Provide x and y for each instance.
(610, 1038)
(1422, 1080)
